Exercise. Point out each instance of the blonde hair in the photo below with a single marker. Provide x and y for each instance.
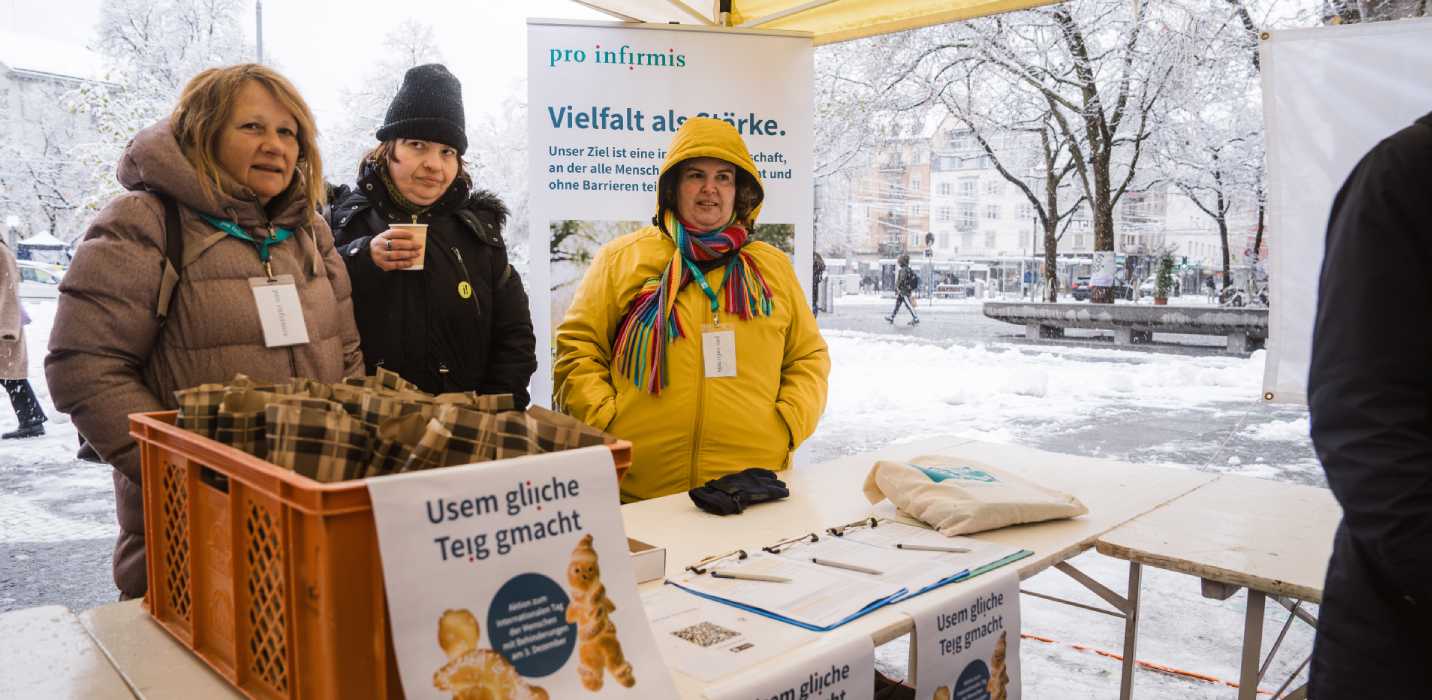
(205, 107)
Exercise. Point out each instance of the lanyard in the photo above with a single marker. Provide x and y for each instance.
(701, 280)
(696, 272)
(262, 244)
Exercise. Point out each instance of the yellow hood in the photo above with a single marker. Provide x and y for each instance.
(703, 137)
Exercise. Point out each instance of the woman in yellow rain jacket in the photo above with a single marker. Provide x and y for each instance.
(630, 357)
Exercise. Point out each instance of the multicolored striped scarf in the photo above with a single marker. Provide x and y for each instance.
(651, 322)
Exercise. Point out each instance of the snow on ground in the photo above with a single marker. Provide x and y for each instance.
(46, 495)
(1189, 411)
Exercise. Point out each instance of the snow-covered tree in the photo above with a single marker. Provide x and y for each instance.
(1210, 146)
(153, 48)
(1099, 66)
(42, 181)
(365, 102)
(499, 163)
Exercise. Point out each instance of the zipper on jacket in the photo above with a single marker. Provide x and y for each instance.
(467, 278)
(692, 481)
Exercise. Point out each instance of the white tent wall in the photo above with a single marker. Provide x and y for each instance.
(1329, 95)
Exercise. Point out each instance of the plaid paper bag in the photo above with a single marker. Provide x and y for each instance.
(478, 402)
(387, 379)
(349, 397)
(241, 419)
(539, 431)
(199, 408)
(376, 405)
(316, 438)
(455, 435)
(495, 402)
(516, 435)
(557, 431)
(303, 386)
(397, 437)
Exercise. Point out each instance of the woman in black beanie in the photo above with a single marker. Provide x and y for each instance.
(459, 322)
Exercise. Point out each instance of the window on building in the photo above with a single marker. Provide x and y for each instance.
(967, 240)
(946, 189)
(944, 214)
(915, 183)
(994, 187)
(990, 240)
(944, 240)
(1078, 240)
(963, 142)
(1026, 210)
(968, 187)
(965, 218)
(992, 211)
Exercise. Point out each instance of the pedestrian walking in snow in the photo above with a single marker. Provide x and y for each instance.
(906, 282)
(14, 363)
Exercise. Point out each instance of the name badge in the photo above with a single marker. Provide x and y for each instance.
(718, 349)
(279, 311)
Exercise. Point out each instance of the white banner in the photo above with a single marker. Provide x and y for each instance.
(834, 669)
(512, 579)
(605, 99)
(1329, 95)
(967, 645)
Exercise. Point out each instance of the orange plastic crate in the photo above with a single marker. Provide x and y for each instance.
(273, 579)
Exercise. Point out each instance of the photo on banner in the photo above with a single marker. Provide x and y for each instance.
(513, 579)
(605, 100)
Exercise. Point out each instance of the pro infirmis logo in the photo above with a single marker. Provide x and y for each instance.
(938, 474)
(624, 55)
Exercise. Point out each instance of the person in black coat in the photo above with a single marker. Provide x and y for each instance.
(461, 323)
(1370, 399)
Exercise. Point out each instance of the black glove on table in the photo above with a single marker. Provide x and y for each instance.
(732, 493)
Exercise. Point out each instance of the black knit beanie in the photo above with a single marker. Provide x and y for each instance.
(427, 107)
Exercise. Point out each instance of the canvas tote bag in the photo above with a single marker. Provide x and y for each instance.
(960, 496)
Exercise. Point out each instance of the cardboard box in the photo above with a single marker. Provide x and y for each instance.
(647, 560)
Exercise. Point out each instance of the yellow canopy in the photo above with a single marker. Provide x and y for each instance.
(829, 21)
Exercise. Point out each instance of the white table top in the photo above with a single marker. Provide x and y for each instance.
(822, 495)
(1266, 535)
(829, 494)
(46, 653)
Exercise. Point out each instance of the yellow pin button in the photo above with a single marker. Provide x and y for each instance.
(464, 290)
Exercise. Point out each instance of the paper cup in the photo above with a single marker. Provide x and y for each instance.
(420, 234)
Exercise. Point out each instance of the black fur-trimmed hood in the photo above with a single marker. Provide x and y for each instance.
(483, 212)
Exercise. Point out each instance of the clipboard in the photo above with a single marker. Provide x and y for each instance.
(822, 580)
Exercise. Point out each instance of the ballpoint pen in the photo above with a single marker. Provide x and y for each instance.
(842, 565)
(749, 577)
(932, 548)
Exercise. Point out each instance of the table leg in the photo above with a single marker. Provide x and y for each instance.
(1252, 646)
(1131, 632)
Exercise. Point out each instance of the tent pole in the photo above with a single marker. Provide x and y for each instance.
(678, 4)
(786, 13)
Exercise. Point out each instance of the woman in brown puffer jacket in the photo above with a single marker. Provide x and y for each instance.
(239, 157)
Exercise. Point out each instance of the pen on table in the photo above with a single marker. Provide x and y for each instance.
(932, 548)
(750, 577)
(842, 565)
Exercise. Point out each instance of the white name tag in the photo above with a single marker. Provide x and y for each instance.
(718, 348)
(279, 311)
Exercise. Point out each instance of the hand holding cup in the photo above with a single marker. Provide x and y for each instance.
(399, 248)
